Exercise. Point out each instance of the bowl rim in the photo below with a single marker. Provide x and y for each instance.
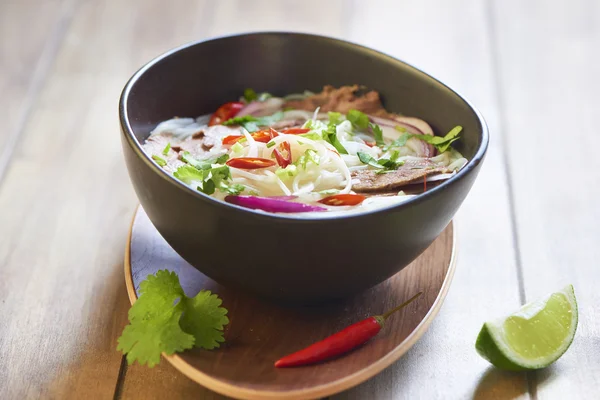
(136, 146)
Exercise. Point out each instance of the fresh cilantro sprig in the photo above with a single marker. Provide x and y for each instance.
(164, 320)
(250, 95)
(330, 135)
(334, 117)
(440, 143)
(378, 134)
(359, 119)
(383, 164)
(309, 155)
(210, 174)
(252, 124)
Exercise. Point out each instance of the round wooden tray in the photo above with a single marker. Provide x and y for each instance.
(260, 332)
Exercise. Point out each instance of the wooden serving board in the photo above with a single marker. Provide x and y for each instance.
(260, 332)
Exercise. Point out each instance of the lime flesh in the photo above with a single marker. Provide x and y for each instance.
(533, 337)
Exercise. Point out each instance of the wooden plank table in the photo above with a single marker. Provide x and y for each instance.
(66, 200)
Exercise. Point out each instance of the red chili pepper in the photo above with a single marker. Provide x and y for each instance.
(273, 132)
(341, 342)
(225, 112)
(343, 199)
(262, 136)
(283, 159)
(295, 131)
(370, 144)
(250, 163)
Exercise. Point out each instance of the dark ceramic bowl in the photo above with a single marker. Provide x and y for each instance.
(275, 255)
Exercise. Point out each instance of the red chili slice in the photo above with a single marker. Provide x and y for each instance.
(250, 163)
(273, 133)
(343, 200)
(225, 112)
(263, 136)
(370, 144)
(295, 131)
(284, 157)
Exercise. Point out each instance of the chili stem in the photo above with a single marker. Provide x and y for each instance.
(407, 302)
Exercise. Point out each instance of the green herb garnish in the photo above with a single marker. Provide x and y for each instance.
(401, 141)
(250, 95)
(203, 164)
(312, 136)
(309, 155)
(287, 172)
(159, 160)
(330, 135)
(440, 143)
(369, 160)
(251, 124)
(359, 119)
(378, 133)
(334, 117)
(164, 319)
(209, 179)
(381, 164)
(188, 173)
(166, 149)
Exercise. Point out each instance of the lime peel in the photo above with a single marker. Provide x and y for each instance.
(534, 337)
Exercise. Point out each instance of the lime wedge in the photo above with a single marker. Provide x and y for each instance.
(533, 337)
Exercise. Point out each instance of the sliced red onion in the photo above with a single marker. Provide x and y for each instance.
(270, 204)
(262, 108)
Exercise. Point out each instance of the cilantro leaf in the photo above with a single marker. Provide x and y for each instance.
(359, 119)
(247, 121)
(203, 164)
(251, 123)
(401, 141)
(312, 136)
(159, 323)
(378, 133)
(309, 155)
(369, 160)
(440, 143)
(334, 117)
(330, 135)
(159, 160)
(250, 95)
(154, 321)
(390, 164)
(383, 164)
(188, 173)
(234, 189)
(204, 318)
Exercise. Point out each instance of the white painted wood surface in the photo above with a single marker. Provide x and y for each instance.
(66, 201)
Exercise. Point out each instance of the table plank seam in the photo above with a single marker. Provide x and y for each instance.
(118, 394)
(504, 145)
(38, 79)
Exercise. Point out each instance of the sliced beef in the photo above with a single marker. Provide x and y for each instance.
(198, 145)
(412, 171)
(156, 144)
(342, 100)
